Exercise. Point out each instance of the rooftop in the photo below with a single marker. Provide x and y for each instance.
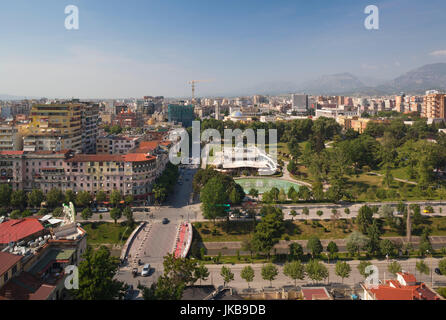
(26, 287)
(7, 261)
(18, 229)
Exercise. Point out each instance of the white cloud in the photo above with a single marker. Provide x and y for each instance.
(438, 53)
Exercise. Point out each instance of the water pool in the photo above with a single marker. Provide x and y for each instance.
(266, 184)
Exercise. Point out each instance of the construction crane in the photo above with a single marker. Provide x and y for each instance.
(194, 82)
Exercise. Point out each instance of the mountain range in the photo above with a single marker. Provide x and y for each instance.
(417, 81)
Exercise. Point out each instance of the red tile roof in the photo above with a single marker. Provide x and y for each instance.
(137, 157)
(7, 261)
(388, 293)
(408, 277)
(394, 290)
(17, 229)
(11, 153)
(131, 157)
(315, 294)
(96, 158)
(26, 287)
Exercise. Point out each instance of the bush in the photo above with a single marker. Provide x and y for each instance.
(15, 214)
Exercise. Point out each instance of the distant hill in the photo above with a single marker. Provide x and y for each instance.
(6, 97)
(417, 81)
(332, 84)
(430, 76)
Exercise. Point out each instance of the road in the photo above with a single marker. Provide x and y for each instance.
(157, 239)
(354, 279)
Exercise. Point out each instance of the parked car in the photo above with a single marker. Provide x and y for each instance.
(145, 270)
(438, 271)
(165, 221)
(102, 210)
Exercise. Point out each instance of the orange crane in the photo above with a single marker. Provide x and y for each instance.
(194, 82)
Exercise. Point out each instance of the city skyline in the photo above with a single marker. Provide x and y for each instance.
(155, 47)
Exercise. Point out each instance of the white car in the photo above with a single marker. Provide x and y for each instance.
(145, 270)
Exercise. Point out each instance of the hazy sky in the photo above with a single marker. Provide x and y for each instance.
(134, 48)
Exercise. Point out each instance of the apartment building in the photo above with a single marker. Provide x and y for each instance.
(10, 138)
(90, 120)
(434, 105)
(112, 144)
(54, 127)
(132, 173)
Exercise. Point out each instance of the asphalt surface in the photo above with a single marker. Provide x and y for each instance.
(353, 280)
(158, 239)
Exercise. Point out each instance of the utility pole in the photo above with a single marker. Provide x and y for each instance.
(408, 226)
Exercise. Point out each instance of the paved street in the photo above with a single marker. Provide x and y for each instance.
(355, 277)
(157, 240)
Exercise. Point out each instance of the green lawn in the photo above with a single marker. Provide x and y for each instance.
(99, 233)
(299, 230)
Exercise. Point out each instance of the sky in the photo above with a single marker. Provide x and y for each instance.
(134, 48)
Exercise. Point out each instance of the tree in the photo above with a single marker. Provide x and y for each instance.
(332, 249)
(234, 196)
(347, 211)
(364, 218)
(227, 275)
(355, 242)
(83, 199)
(306, 211)
(304, 193)
(128, 199)
(101, 196)
(316, 271)
(293, 213)
(128, 214)
(425, 245)
(254, 193)
(86, 213)
(213, 198)
(422, 267)
(70, 196)
(5, 195)
(442, 266)
(247, 274)
(96, 276)
(201, 273)
(54, 198)
(373, 245)
(247, 246)
(18, 199)
(269, 272)
(15, 214)
(314, 245)
(115, 214)
(362, 266)
(115, 198)
(292, 167)
(387, 248)
(269, 230)
(35, 198)
(57, 212)
(343, 270)
(296, 251)
(320, 213)
(294, 270)
(394, 267)
(180, 270)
